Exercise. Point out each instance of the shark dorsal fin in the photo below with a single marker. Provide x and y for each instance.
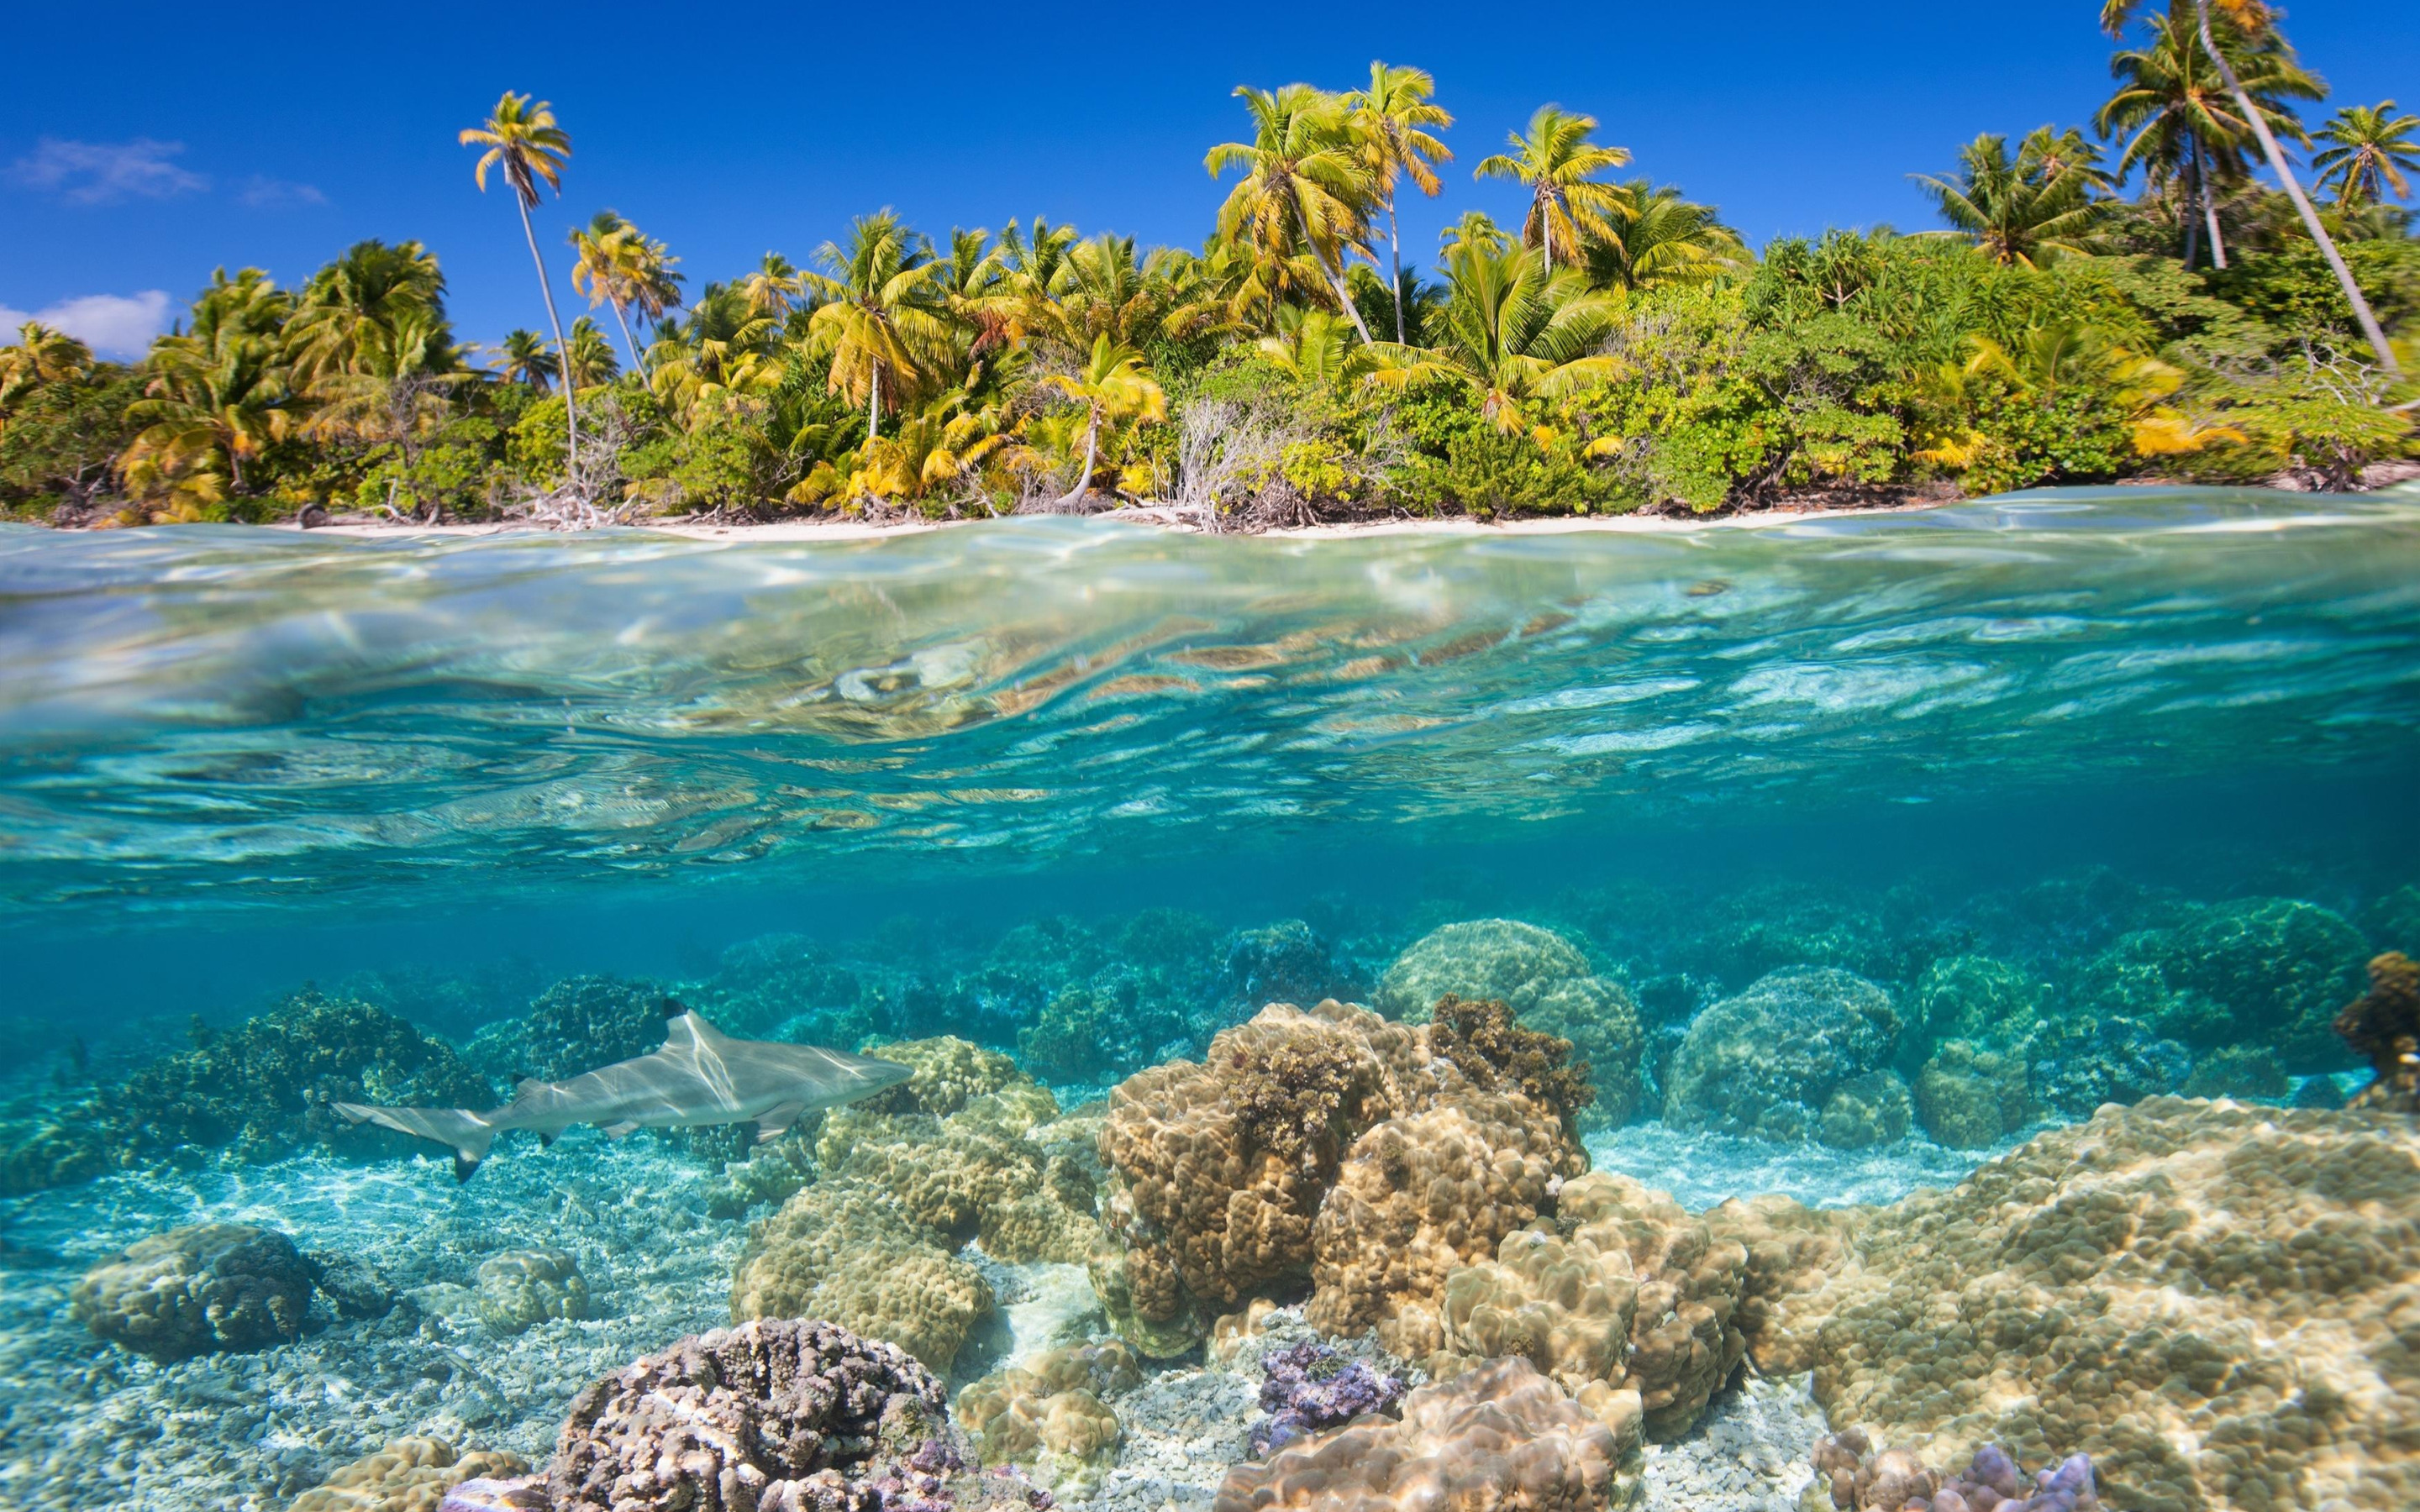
(690, 1032)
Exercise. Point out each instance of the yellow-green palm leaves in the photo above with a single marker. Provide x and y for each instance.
(1114, 386)
(1663, 238)
(218, 393)
(619, 266)
(883, 323)
(2028, 207)
(1303, 201)
(1569, 201)
(523, 141)
(1396, 120)
(41, 356)
(2368, 153)
(1513, 330)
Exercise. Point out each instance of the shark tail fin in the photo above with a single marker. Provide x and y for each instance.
(468, 1133)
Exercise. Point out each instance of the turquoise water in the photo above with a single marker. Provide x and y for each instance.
(935, 783)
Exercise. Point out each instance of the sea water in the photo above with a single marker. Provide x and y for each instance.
(935, 783)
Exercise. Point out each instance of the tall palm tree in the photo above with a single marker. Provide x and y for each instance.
(1395, 119)
(527, 359)
(2026, 208)
(883, 319)
(2369, 150)
(2256, 20)
(2184, 126)
(1568, 203)
(1513, 330)
(1305, 188)
(620, 266)
(1662, 238)
(1113, 386)
(525, 141)
(589, 360)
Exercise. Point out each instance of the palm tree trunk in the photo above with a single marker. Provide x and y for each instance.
(1092, 442)
(1395, 249)
(873, 400)
(2191, 216)
(1335, 275)
(571, 390)
(628, 345)
(2209, 198)
(2285, 172)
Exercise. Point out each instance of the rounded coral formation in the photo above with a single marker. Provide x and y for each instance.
(2383, 1025)
(414, 1474)
(1049, 1413)
(521, 1287)
(1548, 984)
(2215, 1302)
(1499, 1438)
(1969, 1097)
(2270, 972)
(1894, 1480)
(2080, 1064)
(844, 1250)
(1773, 1062)
(577, 1025)
(196, 1290)
(770, 1416)
(1976, 999)
(948, 1074)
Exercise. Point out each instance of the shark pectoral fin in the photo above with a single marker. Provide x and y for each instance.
(546, 1141)
(622, 1130)
(774, 1122)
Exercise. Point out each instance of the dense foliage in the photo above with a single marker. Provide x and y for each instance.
(1619, 348)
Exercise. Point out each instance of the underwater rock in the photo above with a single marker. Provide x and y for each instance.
(523, 1288)
(193, 1291)
(2267, 972)
(1975, 999)
(1310, 1387)
(2383, 1025)
(261, 1089)
(970, 1173)
(1048, 1414)
(1770, 1061)
(1287, 961)
(1969, 1097)
(781, 1415)
(352, 1287)
(2235, 1070)
(1859, 1480)
(419, 1474)
(761, 984)
(2078, 1066)
(1548, 984)
(575, 1026)
(1501, 1438)
(845, 1250)
(2215, 1302)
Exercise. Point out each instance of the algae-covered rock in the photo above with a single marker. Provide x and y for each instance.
(521, 1287)
(193, 1291)
(1550, 987)
(1969, 1097)
(575, 1026)
(760, 984)
(2080, 1065)
(2267, 973)
(2234, 1071)
(1976, 999)
(1770, 1061)
(261, 1089)
(846, 1251)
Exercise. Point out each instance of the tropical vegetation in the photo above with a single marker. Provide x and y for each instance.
(2155, 295)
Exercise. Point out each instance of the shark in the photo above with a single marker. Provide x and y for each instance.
(701, 1076)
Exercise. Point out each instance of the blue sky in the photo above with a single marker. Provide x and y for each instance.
(141, 145)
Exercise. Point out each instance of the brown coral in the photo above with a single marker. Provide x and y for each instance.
(1049, 1412)
(2216, 1302)
(199, 1289)
(408, 1475)
(1484, 1044)
(1500, 1438)
(2383, 1025)
(845, 1250)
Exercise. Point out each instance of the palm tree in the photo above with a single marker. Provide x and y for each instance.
(526, 144)
(1305, 190)
(1316, 349)
(375, 310)
(1558, 163)
(41, 356)
(618, 266)
(1393, 118)
(2369, 150)
(2187, 126)
(2027, 209)
(1114, 386)
(1513, 330)
(883, 317)
(219, 391)
(527, 359)
(589, 360)
(1661, 239)
(2257, 21)
(771, 289)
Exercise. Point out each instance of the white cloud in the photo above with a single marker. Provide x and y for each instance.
(265, 194)
(114, 325)
(103, 173)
